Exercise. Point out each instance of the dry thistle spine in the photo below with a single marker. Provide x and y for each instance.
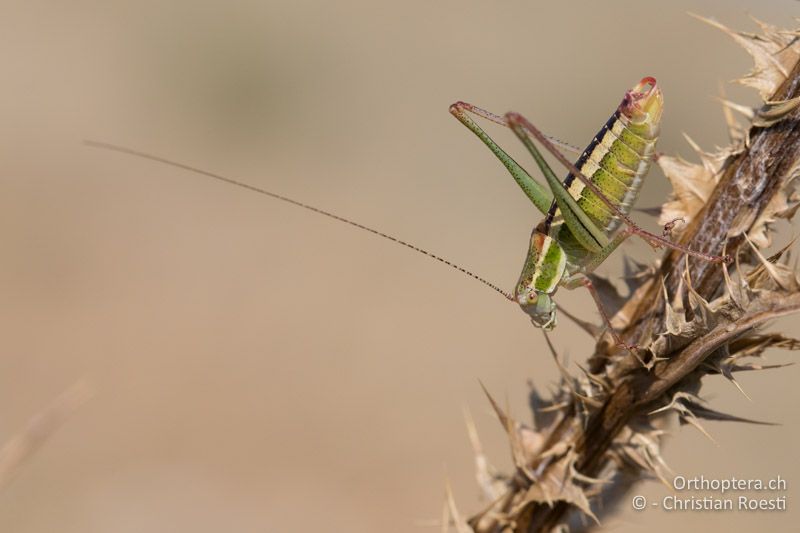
(694, 318)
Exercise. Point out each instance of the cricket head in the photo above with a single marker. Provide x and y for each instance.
(642, 106)
(539, 306)
(544, 268)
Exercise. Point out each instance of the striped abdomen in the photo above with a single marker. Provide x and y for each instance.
(616, 160)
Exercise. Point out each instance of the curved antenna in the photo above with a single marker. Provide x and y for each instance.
(159, 159)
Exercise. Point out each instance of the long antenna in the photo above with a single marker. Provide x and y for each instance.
(159, 159)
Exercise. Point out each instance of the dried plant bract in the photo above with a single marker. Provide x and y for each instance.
(602, 429)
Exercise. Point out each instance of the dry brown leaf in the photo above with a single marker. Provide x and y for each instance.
(692, 183)
(489, 481)
(558, 484)
(702, 333)
(774, 53)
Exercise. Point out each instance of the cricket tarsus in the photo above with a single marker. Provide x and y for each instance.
(286, 199)
(669, 226)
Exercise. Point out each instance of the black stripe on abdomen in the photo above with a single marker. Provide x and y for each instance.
(551, 213)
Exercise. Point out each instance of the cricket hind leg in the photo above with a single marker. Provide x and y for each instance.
(461, 107)
(538, 194)
(523, 127)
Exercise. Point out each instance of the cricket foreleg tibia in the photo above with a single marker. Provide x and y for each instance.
(583, 279)
(586, 282)
(596, 297)
(521, 123)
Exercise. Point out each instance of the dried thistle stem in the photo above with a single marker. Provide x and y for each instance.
(695, 317)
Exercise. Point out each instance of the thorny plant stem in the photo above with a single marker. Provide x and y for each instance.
(750, 180)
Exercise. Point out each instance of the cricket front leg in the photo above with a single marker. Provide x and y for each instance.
(582, 279)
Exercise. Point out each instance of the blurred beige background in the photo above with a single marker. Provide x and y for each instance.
(259, 368)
